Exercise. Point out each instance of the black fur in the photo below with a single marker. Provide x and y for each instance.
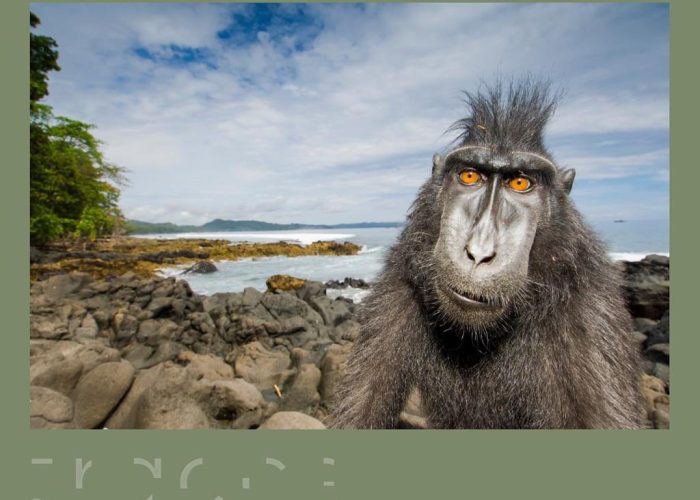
(562, 357)
(509, 117)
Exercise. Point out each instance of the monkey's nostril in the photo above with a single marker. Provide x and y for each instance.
(479, 257)
(488, 258)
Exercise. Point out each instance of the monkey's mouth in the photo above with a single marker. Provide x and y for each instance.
(472, 300)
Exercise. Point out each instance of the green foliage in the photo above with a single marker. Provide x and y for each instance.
(42, 58)
(73, 189)
(140, 227)
(93, 222)
(45, 228)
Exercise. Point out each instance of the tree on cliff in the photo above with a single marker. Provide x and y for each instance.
(73, 189)
(43, 58)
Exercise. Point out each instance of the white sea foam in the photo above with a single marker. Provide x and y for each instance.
(305, 238)
(634, 256)
(355, 294)
(167, 272)
(366, 250)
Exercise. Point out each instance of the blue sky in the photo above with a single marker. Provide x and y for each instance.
(331, 113)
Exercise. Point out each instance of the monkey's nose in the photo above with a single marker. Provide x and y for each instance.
(480, 254)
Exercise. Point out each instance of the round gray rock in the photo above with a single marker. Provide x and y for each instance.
(123, 416)
(57, 373)
(100, 391)
(263, 367)
(201, 267)
(161, 409)
(205, 366)
(235, 400)
(302, 393)
(49, 409)
(292, 420)
(332, 366)
(237, 394)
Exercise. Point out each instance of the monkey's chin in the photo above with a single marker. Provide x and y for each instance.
(468, 310)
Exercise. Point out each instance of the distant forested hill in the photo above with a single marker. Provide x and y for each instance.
(217, 225)
(140, 227)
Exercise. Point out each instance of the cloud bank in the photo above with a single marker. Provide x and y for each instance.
(331, 113)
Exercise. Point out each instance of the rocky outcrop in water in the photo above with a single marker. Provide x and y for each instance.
(201, 267)
(144, 256)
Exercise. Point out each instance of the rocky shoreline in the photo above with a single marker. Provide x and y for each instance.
(144, 256)
(145, 352)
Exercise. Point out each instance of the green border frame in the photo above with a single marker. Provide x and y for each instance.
(377, 464)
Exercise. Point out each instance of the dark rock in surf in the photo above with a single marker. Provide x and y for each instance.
(202, 267)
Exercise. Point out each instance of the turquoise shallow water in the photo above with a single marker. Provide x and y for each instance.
(629, 240)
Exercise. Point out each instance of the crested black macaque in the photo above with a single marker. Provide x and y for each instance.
(498, 303)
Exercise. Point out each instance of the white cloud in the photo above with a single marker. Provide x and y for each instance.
(653, 164)
(187, 25)
(343, 130)
(621, 111)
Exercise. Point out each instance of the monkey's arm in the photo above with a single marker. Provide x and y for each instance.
(381, 369)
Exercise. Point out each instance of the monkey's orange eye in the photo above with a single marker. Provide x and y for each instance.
(519, 184)
(469, 177)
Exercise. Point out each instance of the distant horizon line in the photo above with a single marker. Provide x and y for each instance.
(134, 226)
(587, 217)
(128, 219)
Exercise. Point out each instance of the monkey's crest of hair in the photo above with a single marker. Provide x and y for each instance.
(509, 116)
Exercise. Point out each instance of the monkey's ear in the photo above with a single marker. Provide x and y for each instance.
(438, 165)
(567, 179)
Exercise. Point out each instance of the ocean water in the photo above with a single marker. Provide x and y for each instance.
(629, 240)
(234, 276)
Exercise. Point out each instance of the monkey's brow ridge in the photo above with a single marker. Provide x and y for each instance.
(529, 153)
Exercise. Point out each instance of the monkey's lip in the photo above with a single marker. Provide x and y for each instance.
(469, 300)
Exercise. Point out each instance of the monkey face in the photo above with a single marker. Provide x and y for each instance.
(492, 204)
